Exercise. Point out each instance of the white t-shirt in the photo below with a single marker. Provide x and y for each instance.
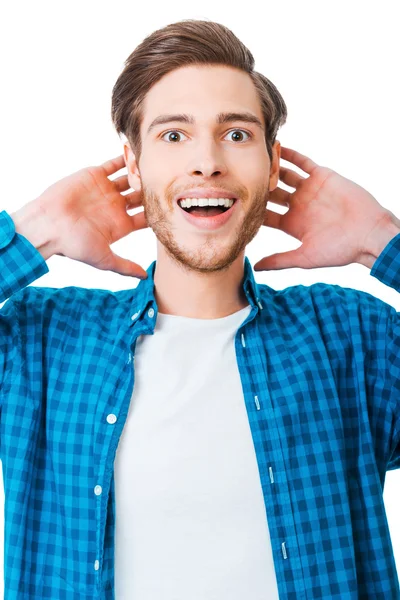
(191, 522)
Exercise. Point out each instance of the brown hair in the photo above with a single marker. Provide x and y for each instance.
(187, 42)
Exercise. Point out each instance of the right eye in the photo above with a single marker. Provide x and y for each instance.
(174, 131)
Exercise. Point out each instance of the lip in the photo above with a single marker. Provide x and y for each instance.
(209, 223)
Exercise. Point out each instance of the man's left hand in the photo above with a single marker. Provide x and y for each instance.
(337, 221)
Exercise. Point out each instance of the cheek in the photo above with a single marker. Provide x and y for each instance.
(262, 167)
(161, 176)
(157, 169)
(253, 169)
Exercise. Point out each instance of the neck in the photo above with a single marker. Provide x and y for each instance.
(183, 291)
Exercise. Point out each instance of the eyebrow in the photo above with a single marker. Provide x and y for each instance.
(227, 117)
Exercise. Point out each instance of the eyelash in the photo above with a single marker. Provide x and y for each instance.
(177, 131)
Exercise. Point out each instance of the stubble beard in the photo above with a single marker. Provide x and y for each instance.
(207, 257)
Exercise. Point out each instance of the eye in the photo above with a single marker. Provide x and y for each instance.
(242, 131)
(172, 131)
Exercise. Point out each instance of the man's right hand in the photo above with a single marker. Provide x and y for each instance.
(80, 215)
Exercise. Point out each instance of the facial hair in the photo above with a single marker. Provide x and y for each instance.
(211, 255)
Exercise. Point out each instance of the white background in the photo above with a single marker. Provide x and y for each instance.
(335, 63)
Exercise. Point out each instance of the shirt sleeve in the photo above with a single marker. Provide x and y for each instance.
(391, 376)
(387, 269)
(20, 264)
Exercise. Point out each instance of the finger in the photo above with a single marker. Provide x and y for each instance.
(284, 260)
(138, 221)
(273, 219)
(290, 177)
(122, 184)
(300, 160)
(123, 266)
(280, 196)
(114, 164)
(127, 224)
(133, 199)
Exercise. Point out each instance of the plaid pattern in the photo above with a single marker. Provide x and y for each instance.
(320, 371)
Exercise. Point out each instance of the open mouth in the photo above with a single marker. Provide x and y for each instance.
(208, 210)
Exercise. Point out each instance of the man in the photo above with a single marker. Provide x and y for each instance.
(202, 434)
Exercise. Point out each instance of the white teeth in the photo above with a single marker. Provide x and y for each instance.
(188, 202)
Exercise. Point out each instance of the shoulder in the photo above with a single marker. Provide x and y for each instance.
(327, 301)
(36, 304)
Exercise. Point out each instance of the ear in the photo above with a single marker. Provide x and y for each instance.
(274, 173)
(133, 170)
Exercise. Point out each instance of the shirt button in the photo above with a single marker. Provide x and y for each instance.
(111, 419)
(151, 312)
(96, 565)
(133, 317)
(97, 490)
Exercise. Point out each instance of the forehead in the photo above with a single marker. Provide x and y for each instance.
(202, 90)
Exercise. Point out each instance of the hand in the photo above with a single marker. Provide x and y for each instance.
(332, 216)
(88, 213)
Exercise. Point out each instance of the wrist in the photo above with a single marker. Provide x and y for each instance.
(387, 228)
(32, 221)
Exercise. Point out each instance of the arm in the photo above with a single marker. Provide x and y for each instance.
(20, 264)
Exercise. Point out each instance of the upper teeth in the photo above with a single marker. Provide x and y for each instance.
(188, 202)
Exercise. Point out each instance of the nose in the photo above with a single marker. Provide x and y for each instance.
(207, 162)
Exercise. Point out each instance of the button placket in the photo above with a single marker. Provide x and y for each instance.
(271, 475)
(98, 490)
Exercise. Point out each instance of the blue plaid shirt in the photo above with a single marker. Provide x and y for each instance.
(320, 370)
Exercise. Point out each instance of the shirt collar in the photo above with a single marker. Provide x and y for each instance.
(144, 303)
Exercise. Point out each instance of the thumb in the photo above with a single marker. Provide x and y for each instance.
(283, 260)
(123, 266)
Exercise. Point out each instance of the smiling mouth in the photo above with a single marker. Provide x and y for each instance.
(207, 211)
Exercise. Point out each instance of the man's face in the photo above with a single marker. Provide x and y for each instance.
(178, 156)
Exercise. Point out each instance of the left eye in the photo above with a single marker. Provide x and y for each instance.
(241, 131)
